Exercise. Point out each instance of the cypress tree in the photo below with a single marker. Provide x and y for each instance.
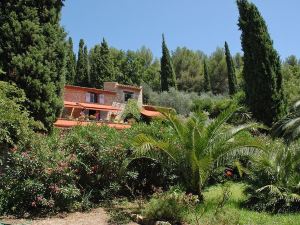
(71, 63)
(32, 54)
(232, 83)
(102, 67)
(262, 68)
(207, 85)
(82, 71)
(167, 74)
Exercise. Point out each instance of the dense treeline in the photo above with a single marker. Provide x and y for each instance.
(141, 67)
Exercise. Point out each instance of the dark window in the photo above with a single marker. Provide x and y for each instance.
(127, 95)
(93, 97)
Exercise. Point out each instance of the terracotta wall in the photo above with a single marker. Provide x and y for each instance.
(79, 96)
(74, 95)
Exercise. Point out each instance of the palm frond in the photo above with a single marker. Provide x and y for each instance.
(147, 146)
(272, 189)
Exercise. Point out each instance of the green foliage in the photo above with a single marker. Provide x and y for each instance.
(14, 119)
(136, 67)
(180, 101)
(217, 71)
(232, 83)
(289, 126)
(82, 69)
(131, 110)
(102, 68)
(37, 179)
(212, 104)
(32, 54)
(167, 76)
(170, 206)
(98, 153)
(188, 68)
(274, 183)
(202, 146)
(291, 78)
(207, 85)
(62, 173)
(71, 63)
(262, 69)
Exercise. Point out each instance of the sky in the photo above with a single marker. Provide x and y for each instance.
(196, 24)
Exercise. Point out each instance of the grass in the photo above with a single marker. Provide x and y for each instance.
(212, 213)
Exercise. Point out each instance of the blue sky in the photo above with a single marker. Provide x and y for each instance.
(195, 24)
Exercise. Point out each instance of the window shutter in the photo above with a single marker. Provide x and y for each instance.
(87, 97)
(101, 98)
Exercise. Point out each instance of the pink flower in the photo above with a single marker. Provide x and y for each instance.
(39, 198)
(33, 204)
(24, 154)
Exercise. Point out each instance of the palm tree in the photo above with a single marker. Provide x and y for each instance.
(275, 184)
(289, 126)
(204, 145)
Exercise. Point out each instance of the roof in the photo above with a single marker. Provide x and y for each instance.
(88, 89)
(92, 106)
(95, 106)
(129, 87)
(61, 123)
(150, 113)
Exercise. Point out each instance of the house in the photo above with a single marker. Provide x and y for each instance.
(104, 106)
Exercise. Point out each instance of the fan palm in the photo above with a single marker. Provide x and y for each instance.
(289, 126)
(204, 145)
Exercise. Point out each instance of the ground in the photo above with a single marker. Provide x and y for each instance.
(95, 217)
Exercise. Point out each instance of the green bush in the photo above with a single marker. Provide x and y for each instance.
(150, 173)
(131, 110)
(170, 206)
(99, 153)
(37, 179)
(180, 101)
(274, 182)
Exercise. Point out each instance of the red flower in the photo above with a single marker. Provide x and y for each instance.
(229, 173)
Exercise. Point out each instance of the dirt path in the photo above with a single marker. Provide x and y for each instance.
(95, 217)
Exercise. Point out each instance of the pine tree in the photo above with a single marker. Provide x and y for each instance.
(207, 85)
(32, 54)
(232, 83)
(71, 63)
(102, 67)
(82, 70)
(167, 74)
(262, 68)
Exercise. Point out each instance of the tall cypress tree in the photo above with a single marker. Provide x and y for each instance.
(102, 67)
(262, 68)
(82, 70)
(71, 63)
(207, 85)
(32, 53)
(232, 83)
(168, 78)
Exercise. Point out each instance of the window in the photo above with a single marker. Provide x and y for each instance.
(91, 97)
(128, 95)
(101, 98)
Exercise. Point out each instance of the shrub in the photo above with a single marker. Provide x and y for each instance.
(149, 173)
(170, 206)
(37, 179)
(274, 184)
(178, 100)
(62, 173)
(131, 110)
(99, 154)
